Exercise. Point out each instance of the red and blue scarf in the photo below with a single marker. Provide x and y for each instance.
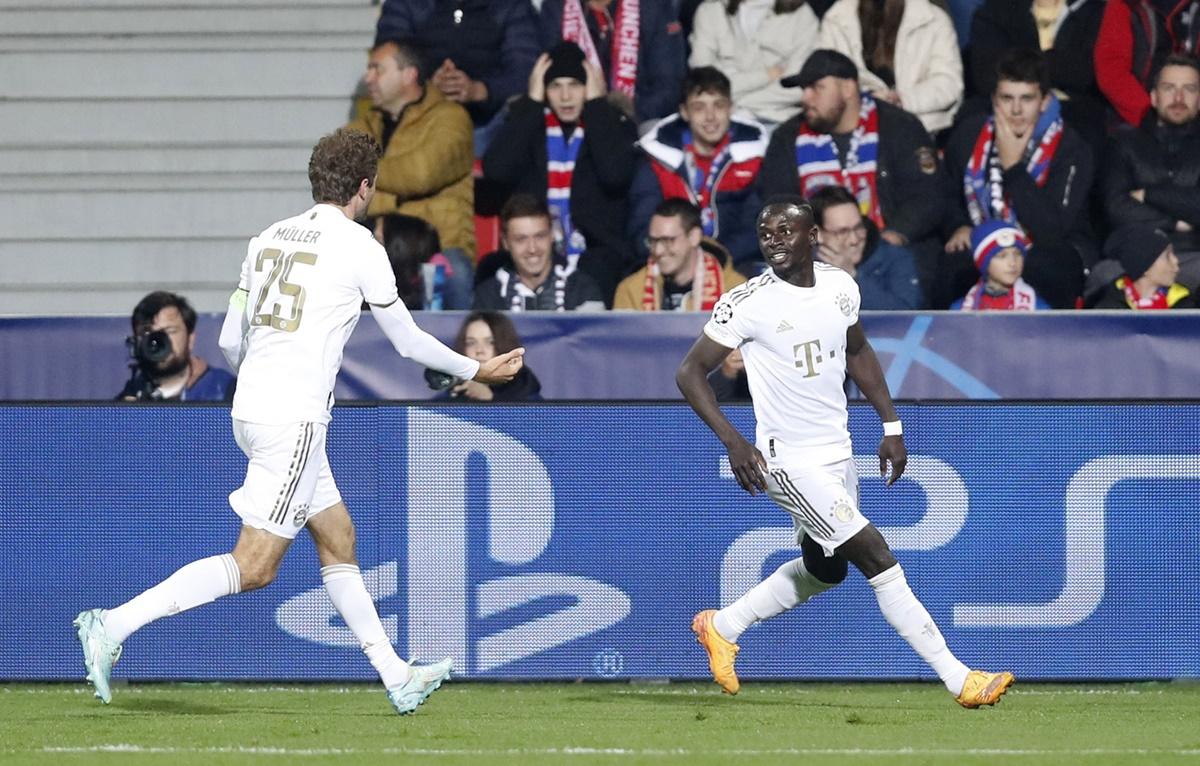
(1021, 297)
(818, 164)
(626, 41)
(560, 168)
(702, 185)
(983, 181)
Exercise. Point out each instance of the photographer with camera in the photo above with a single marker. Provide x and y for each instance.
(162, 365)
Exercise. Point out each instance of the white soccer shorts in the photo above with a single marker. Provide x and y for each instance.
(822, 500)
(288, 480)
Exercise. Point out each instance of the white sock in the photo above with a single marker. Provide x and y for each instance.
(788, 586)
(344, 584)
(192, 585)
(904, 613)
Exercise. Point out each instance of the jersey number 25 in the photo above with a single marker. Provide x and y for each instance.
(281, 271)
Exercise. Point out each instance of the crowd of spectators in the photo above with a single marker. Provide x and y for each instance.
(976, 154)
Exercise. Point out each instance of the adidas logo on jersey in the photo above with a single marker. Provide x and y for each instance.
(784, 326)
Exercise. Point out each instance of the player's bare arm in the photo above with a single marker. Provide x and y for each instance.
(747, 462)
(863, 368)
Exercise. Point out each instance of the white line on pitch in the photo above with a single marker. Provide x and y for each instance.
(590, 751)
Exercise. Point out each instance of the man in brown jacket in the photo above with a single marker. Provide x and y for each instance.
(684, 272)
(427, 152)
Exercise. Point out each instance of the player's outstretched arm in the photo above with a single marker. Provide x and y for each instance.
(863, 368)
(414, 343)
(747, 462)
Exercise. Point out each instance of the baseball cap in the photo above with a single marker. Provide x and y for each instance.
(822, 63)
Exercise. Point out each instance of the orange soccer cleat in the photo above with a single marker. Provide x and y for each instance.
(721, 653)
(984, 688)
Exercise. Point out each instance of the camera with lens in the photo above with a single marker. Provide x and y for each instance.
(440, 381)
(149, 348)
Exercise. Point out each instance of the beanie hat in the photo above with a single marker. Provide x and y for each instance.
(566, 60)
(990, 237)
(1137, 246)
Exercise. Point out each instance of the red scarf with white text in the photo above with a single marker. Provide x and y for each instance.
(626, 41)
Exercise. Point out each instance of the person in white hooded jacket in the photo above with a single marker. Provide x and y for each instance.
(908, 55)
(755, 43)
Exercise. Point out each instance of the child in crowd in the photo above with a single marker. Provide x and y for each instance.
(999, 249)
(1150, 267)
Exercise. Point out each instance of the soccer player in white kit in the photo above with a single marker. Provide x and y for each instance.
(798, 328)
(302, 286)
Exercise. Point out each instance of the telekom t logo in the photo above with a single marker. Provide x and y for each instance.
(520, 522)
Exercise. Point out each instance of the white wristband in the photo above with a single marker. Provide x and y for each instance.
(893, 428)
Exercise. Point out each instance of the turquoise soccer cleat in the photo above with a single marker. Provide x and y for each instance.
(425, 680)
(100, 652)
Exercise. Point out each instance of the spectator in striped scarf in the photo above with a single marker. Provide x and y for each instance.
(685, 272)
(1021, 165)
(563, 143)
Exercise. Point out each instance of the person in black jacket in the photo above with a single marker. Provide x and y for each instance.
(526, 276)
(885, 157)
(1066, 42)
(1152, 175)
(483, 336)
(1148, 272)
(1022, 165)
(479, 51)
(565, 122)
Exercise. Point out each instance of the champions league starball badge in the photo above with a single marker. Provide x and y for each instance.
(723, 313)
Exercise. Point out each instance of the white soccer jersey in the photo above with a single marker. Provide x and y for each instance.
(793, 340)
(307, 277)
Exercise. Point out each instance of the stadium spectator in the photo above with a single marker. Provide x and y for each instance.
(999, 249)
(906, 52)
(563, 143)
(529, 278)
(1135, 37)
(707, 156)
(799, 354)
(682, 273)
(1022, 165)
(426, 278)
(638, 44)
(1065, 32)
(485, 335)
(427, 158)
(755, 43)
(1150, 269)
(479, 52)
(1152, 173)
(881, 153)
(886, 274)
(165, 366)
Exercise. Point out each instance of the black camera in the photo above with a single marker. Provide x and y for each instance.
(149, 348)
(440, 381)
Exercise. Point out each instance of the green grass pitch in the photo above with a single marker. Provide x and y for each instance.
(600, 723)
